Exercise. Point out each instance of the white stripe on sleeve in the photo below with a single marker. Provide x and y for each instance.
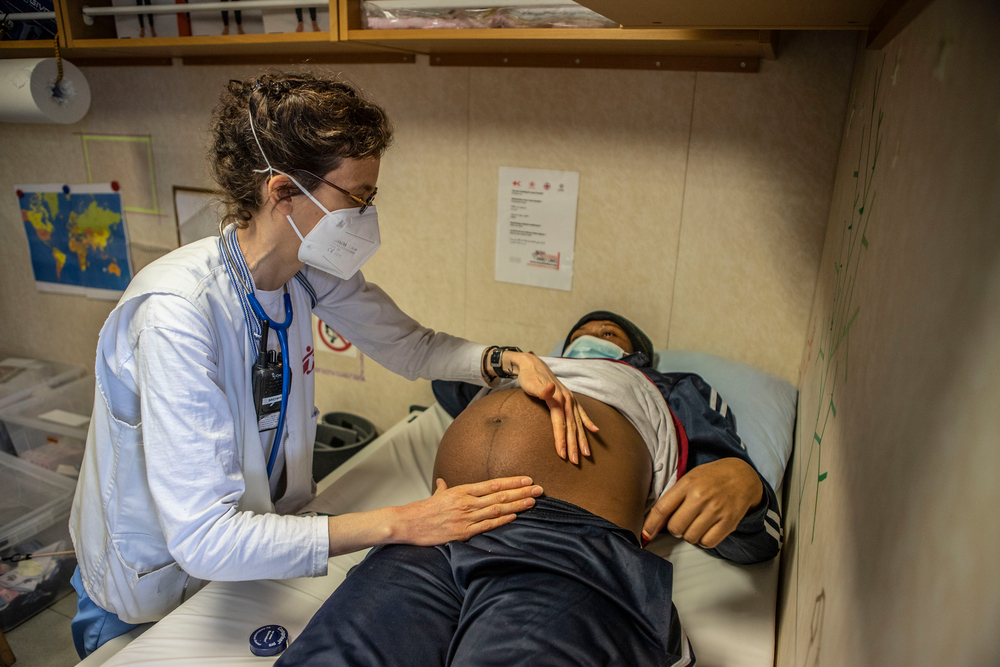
(772, 532)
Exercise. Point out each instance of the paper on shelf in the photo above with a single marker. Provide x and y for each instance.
(65, 418)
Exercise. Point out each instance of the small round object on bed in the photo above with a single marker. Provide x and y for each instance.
(268, 640)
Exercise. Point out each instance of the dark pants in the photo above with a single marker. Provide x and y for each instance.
(557, 586)
(140, 3)
(238, 14)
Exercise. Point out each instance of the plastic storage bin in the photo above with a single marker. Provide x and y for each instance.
(339, 436)
(21, 378)
(34, 518)
(50, 429)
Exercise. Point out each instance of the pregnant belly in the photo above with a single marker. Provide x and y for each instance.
(508, 433)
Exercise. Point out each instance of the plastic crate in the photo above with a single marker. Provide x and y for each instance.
(22, 378)
(50, 429)
(34, 516)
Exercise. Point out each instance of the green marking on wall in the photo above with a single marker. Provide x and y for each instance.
(843, 311)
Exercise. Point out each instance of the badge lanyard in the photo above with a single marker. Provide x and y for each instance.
(281, 329)
(286, 374)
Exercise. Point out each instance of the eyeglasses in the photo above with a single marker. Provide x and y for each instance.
(364, 203)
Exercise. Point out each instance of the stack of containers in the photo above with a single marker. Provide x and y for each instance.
(45, 410)
(50, 428)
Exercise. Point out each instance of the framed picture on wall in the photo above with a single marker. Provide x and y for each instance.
(197, 212)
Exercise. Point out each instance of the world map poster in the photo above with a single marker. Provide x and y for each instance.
(77, 238)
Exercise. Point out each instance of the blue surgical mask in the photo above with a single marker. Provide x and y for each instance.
(590, 347)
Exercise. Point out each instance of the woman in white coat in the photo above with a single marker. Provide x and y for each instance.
(200, 446)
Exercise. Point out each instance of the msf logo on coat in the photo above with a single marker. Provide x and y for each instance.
(308, 361)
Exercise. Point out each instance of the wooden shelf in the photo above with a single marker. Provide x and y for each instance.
(618, 41)
(683, 34)
(36, 48)
(729, 50)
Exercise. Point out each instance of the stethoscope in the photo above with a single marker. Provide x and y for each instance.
(281, 329)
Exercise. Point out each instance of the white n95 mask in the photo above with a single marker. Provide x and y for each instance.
(591, 347)
(341, 242)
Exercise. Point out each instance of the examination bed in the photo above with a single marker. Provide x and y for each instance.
(727, 610)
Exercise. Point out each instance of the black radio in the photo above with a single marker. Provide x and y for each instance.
(267, 383)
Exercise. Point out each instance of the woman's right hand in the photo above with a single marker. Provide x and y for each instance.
(460, 512)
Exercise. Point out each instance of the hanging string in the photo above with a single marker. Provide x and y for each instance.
(58, 59)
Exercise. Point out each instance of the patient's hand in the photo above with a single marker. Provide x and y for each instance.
(570, 422)
(707, 503)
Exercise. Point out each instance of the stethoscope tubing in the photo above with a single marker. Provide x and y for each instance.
(281, 329)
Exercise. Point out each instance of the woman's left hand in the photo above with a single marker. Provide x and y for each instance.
(570, 422)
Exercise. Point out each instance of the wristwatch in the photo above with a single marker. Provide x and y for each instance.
(496, 355)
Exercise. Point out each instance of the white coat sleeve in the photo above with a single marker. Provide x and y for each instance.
(193, 461)
(365, 315)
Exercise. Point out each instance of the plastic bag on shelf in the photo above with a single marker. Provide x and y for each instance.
(382, 16)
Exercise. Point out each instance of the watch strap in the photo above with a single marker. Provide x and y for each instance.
(496, 357)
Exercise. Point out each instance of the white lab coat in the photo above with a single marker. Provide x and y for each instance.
(173, 485)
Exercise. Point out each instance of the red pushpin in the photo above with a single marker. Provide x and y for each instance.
(115, 186)
(20, 194)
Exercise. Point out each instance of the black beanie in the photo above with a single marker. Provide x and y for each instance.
(640, 341)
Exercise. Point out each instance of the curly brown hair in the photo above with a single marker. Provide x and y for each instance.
(304, 122)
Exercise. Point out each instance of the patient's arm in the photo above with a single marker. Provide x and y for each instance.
(722, 482)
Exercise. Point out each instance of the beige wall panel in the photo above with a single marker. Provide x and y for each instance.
(891, 547)
(626, 133)
(173, 106)
(421, 204)
(760, 175)
(53, 326)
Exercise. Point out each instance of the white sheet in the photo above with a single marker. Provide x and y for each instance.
(727, 610)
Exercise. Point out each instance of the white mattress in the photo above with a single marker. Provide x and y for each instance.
(727, 610)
